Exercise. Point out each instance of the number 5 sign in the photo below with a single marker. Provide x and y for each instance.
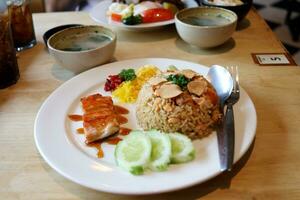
(269, 59)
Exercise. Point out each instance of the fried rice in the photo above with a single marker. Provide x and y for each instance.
(194, 116)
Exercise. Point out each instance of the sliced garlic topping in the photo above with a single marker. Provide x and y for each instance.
(197, 87)
(188, 73)
(168, 91)
(156, 80)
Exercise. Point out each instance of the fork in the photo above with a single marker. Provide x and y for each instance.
(228, 128)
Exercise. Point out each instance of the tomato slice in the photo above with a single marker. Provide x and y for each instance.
(157, 15)
(116, 17)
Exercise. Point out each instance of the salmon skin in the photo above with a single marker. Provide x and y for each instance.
(99, 118)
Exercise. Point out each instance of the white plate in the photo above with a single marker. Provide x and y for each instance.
(65, 151)
(98, 13)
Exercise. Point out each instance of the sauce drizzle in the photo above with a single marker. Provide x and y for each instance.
(98, 146)
(120, 110)
(75, 118)
(80, 131)
(121, 119)
(124, 131)
(113, 141)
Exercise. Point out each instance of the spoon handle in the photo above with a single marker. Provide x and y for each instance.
(225, 134)
(229, 133)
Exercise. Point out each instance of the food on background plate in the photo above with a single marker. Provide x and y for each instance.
(126, 85)
(178, 3)
(137, 12)
(178, 101)
(154, 150)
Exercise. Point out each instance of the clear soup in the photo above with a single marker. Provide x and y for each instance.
(83, 42)
(206, 20)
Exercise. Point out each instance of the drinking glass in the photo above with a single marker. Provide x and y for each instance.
(9, 71)
(22, 24)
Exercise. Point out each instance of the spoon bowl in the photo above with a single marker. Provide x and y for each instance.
(222, 81)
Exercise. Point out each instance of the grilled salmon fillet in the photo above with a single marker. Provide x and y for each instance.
(99, 117)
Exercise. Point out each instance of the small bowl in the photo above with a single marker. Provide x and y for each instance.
(240, 10)
(56, 29)
(83, 47)
(201, 34)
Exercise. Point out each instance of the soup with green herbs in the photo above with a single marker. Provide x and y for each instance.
(83, 42)
(206, 20)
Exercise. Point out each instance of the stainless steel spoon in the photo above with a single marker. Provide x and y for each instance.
(222, 81)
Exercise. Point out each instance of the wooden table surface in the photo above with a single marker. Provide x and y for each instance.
(269, 170)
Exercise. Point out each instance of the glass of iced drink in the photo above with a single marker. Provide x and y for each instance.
(22, 24)
(9, 71)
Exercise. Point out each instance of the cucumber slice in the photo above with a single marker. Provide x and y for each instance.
(182, 148)
(161, 150)
(133, 152)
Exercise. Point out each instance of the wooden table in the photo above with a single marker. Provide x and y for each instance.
(269, 170)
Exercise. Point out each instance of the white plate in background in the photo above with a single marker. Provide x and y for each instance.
(98, 14)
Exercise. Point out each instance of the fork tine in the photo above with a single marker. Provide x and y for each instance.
(233, 75)
(237, 74)
(237, 78)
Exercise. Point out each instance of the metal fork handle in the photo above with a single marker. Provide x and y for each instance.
(229, 134)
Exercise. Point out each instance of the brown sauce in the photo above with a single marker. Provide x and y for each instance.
(113, 140)
(80, 130)
(97, 145)
(75, 118)
(120, 110)
(124, 131)
(121, 119)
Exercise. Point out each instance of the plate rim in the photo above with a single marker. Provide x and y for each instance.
(108, 189)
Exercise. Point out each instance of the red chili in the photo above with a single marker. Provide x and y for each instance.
(112, 82)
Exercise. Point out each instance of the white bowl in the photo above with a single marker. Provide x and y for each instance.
(203, 35)
(81, 59)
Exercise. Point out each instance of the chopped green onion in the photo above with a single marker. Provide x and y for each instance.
(127, 74)
(179, 80)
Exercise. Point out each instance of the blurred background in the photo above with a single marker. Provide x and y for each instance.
(282, 16)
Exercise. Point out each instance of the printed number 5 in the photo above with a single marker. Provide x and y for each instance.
(275, 58)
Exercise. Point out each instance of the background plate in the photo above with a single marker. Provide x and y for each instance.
(98, 14)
